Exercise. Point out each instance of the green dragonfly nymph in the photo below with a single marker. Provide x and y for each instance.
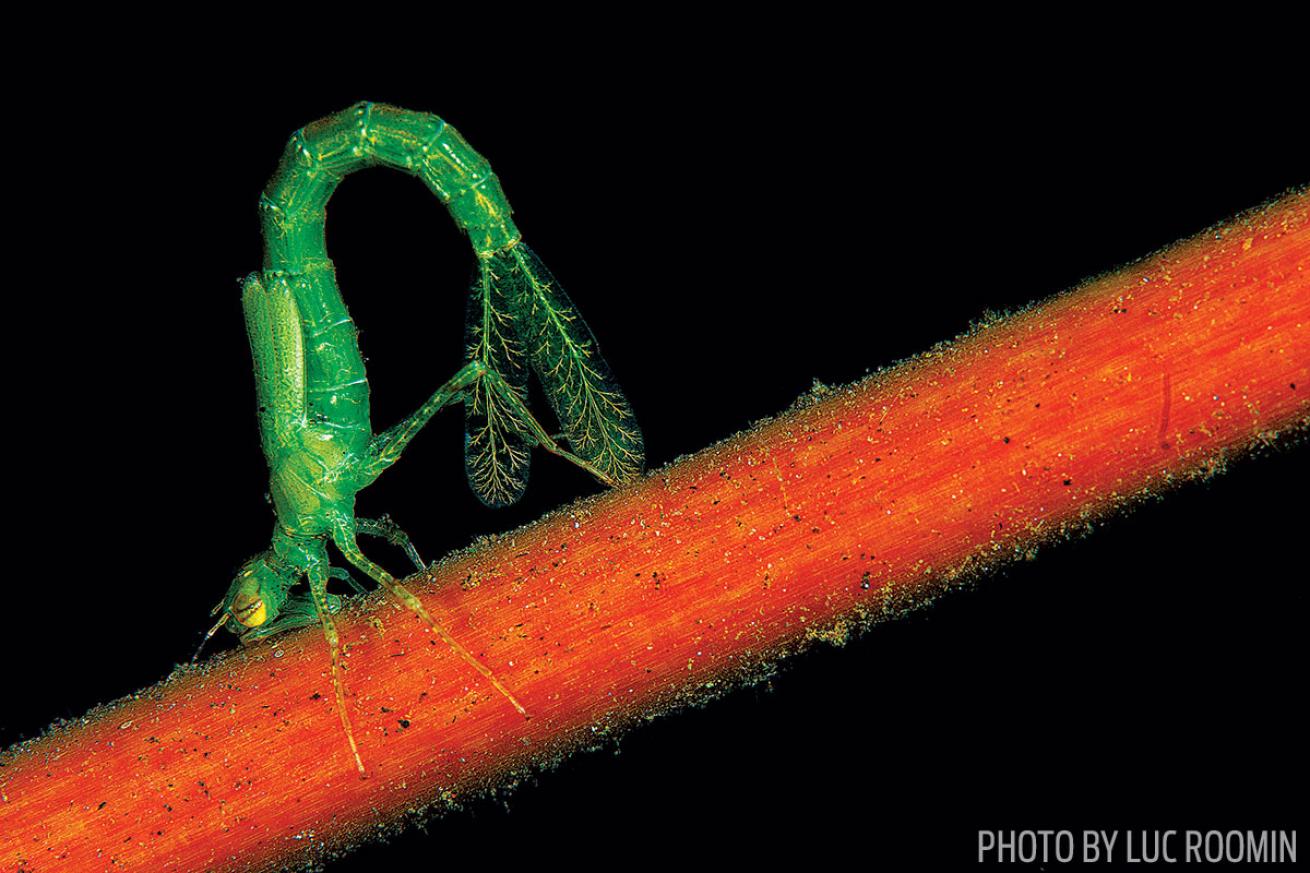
(314, 396)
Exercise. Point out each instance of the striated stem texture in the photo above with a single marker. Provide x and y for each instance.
(855, 505)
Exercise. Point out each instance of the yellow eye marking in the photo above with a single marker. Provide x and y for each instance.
(252, 614)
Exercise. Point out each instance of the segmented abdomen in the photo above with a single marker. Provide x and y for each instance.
(294, 205)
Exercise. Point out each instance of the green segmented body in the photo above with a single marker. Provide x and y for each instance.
(313, 393)
(294, 211)
(516, 309)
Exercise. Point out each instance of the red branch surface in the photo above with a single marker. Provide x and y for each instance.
(845, 509)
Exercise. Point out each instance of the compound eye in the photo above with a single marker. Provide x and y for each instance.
(249, 610)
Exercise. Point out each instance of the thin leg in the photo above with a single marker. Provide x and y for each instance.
(344, 575)
(318, 576)
(388, 530)
(534, 428)
(388, 445)
(344, 538)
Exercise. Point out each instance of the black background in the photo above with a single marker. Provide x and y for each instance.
(733, 225)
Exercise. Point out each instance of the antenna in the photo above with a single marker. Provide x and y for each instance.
(213, 630)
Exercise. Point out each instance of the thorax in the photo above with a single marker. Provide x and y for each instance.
(313, 481)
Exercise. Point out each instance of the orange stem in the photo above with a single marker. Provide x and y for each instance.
(847, 509)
